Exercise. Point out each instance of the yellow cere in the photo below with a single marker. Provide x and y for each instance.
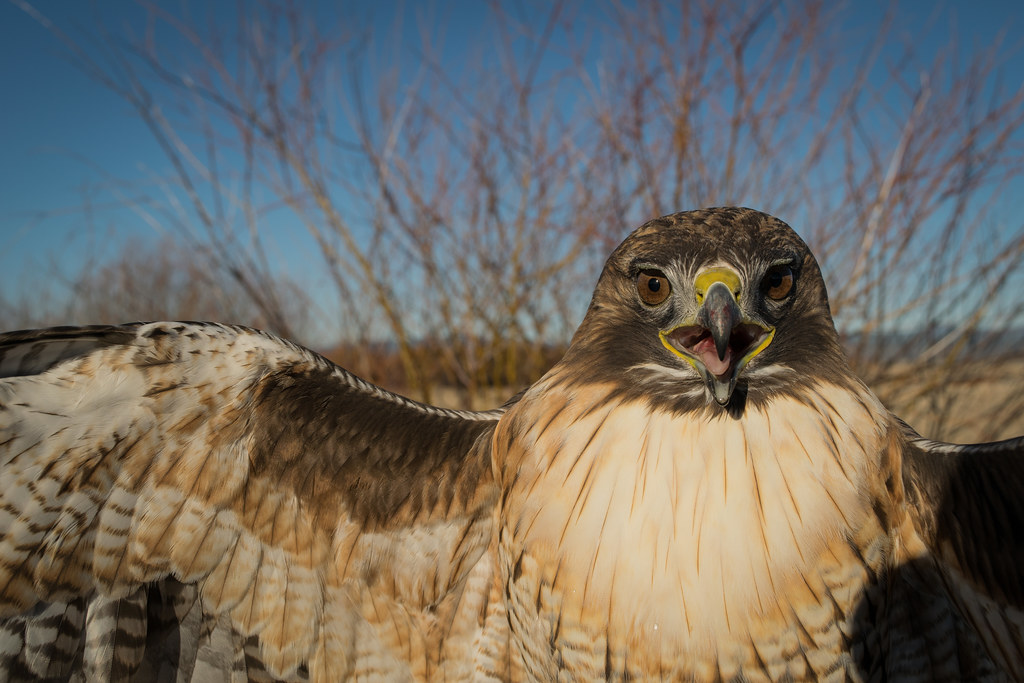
(713, 275)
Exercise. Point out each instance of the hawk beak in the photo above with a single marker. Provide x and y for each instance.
(720, 314)
(720, 341)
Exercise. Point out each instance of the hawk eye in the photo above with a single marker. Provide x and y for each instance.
(778, 282)
(652, 287)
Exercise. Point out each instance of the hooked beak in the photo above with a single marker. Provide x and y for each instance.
(720, 314)
(720, 341)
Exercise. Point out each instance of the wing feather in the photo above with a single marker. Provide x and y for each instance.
(292, 501)
(965, 506)
(967, 503)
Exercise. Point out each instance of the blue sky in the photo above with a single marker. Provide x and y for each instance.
(67, 142)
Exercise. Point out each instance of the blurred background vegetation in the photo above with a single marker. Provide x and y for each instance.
(458, 183)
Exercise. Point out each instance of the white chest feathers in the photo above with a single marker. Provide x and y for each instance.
(683, 525)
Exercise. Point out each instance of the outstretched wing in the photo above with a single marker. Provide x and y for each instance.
(966, 503)
(180, 499)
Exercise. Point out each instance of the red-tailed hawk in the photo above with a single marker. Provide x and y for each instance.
(699, 490)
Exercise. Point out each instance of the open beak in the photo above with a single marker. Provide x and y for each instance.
(720, 341)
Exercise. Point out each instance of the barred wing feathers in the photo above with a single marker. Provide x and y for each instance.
(181, 499)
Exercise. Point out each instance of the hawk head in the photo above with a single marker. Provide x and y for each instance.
(715, 308)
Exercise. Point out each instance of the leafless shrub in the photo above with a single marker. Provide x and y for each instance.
(462, 213)
(168, 282)
(145, 282)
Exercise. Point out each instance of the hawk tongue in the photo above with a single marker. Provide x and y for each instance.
(706, 352)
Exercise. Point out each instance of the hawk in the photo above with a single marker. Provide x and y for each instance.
(701, 489)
